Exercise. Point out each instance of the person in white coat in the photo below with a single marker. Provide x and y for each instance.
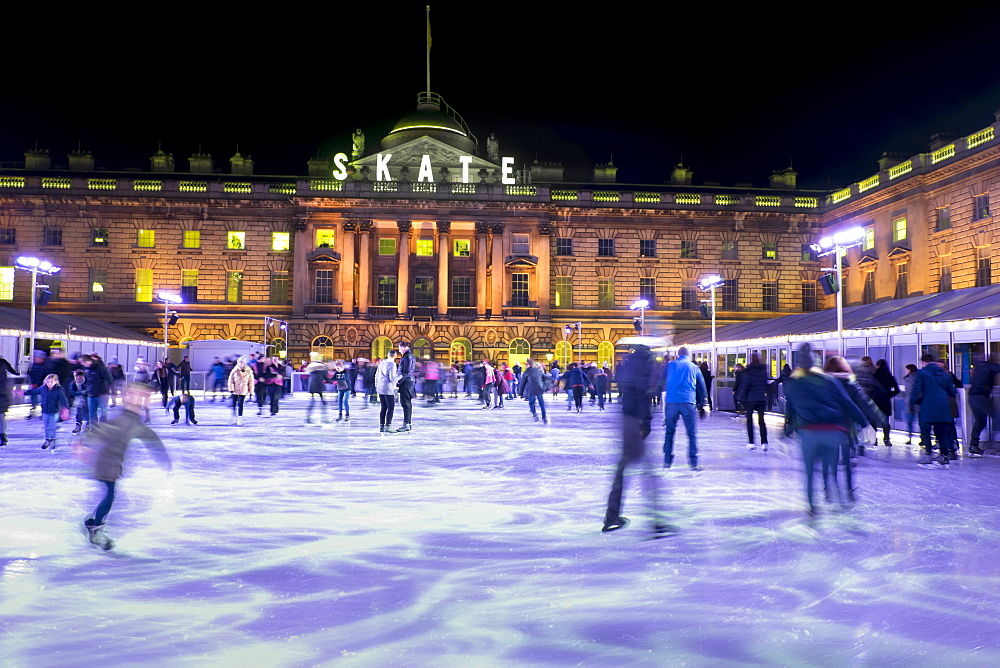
(385, 385)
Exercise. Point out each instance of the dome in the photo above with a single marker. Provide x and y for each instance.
(428, 120)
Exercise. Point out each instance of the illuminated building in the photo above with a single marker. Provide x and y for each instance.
(422, 240)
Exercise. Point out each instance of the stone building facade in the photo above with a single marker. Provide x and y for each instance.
(461, 262)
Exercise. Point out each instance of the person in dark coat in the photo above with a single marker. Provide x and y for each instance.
(5, 397)
(318, 377)
(37, 372)
(752, 394)
(933, 390)
(98, 387)
(820, 412)
(890, 388)
(738, 371)
(185, 401)
(838, 368)
(533, 388)
(985, 376)
(708, 382)
(638, 380)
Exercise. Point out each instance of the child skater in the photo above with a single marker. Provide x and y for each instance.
(186, 401)
(78, 390)
(110, 440)
(54, 401)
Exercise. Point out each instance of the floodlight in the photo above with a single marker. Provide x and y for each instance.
(639, 304)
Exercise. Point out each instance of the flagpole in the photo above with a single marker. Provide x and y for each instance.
(428, 48)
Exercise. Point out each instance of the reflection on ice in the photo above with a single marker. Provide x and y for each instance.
(476, 540)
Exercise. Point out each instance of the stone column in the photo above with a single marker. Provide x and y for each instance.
(444, 255)
(482, 229)
(543, 247)
(403, 273)
(346, 243)
(365, 265)
(300, 268)
(498, 285)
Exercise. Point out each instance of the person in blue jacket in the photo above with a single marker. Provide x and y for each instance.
(685, 393)
(53, 399)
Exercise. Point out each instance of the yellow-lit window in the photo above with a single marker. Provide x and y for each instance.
(192, 239)
(869, 238)
(236, 240)
(144, 285)
(386, 246)
(6, 283)
(146, 239)
(462, 248)
(899, 229)
(280, 241)
(425, 247)
(325, 238)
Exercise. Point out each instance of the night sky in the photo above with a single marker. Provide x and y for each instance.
(738, 93)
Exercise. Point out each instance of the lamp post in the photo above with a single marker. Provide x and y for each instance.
(568, 329)
(268, 322)
(168, 298)
(640, 305)
(835, 245)
(36, 267)
(710, 283)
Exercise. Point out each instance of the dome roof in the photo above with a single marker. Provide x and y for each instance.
(429, 120)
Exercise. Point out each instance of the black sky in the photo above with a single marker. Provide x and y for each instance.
(737, 92)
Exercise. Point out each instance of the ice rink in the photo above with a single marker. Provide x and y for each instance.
(475, 541)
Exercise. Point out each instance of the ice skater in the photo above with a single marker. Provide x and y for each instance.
(637, 382)
(110, 440)
(186, 401)
(241, 386)
(685, 393)
(55, 405)
(318, 377)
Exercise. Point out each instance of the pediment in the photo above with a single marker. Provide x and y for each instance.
(324, 255)
(515, 261)
(411, 153)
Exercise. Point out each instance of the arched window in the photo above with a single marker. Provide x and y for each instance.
(381, 347)
(564, 354)
(422, 349)
(606, 353)
(518, 351)
(278, 347)
(322, 345)
(460, 351)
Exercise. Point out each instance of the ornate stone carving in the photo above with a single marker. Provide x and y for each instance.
(444, 226)
(482, 227)
(497, 228)
(545, 228)
(350, 225)
(404, 226)
(366, 225)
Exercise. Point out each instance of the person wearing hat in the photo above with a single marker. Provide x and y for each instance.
(819, 411)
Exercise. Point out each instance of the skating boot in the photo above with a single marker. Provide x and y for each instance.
(78, 428)
(3, 440)
(340, 417)
(98, 537)
(405, 428)
(48, 442)
(239, 420)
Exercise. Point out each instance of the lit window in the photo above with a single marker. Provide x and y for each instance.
(564, 292)
(236, 240)
(869, 238)
(99, 236)
(520, 244)
(234, 287)
(386, 246)
(425, 247)
(564, 353)
(281, 241)
(146, 239)
(808, 254)
(606, 353)
(98, 283)
(769, 251)
(325, 238)
(899, 229)
(6, 283)
(192, 239)
(462, 248)
(144, 285)
(189, 286)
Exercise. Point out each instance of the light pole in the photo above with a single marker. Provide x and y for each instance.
(36, 267)
(168, 298)
(710, 283)
(640, 305)
(836, 245)
(568, 329)
(282, 325)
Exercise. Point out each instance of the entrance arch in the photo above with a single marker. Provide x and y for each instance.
(460, 351)
(518, 351)
(381, 347)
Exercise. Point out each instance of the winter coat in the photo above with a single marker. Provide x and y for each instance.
(386, 377)
(684, 383)
(342, 380)
(51, 400)
(932, 390)
(532, 382)
(888, 383)
(5, 368)
(814, 398)
(113, 438)
(984, 375)
(876, 418)
(865, 377)
(98, 379)
(576, 376)
(407, 365)
(318, 374)
(241, 380)
(753, 384)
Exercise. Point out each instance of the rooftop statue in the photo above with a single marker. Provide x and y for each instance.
(358, 139)
(493, 149)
